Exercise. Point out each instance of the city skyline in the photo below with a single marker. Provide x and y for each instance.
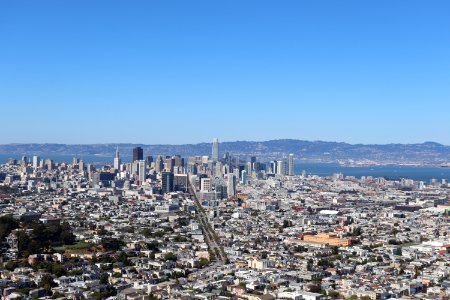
(372, 73)
(229, 150)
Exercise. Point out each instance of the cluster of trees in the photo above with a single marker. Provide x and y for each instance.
(43, 237)
(7, 224)
(149, 233)
(287, 223)
(5, 189)
(170, 256)
(357, 231)
(112, 244)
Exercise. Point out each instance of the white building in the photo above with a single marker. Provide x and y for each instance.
(291, 165)
(205, 184)
(215, 150)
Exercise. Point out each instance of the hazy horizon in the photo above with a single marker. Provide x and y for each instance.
(220, 141)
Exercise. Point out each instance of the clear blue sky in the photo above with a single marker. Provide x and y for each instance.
(187, 71)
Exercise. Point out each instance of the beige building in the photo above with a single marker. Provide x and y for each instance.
(328, 239)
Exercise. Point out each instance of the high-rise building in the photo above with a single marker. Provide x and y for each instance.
(149, 160)
(249, 167)
(159, 163)
(291, 164)
(179, 161)
(81, 166)
(205, 184)
(180, 182)
(36, 161)
(169, 163)
(237, 173)
(273, 167)
(138, 154)
(167, 182)
(117, 159)
(215, 150)
(231, 185)
(282, 167)
(49, 164)
(192, 168)
(218, 169)
(244, 177)
(142, 170)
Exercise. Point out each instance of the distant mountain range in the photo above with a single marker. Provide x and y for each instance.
(425, 153)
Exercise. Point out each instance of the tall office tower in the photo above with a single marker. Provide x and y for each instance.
(179, 161)
(227, 157)
(159, 163)
(231, 185)
(252, 162)
(282, 167)
(244, 177)
(138, 154)
(192, 168)
(142, 169)
(205, 184)
(36, 161)
(135, 167)
(215, 150)
(49, 164)
(236, 173)
(25, 159)
(117, 159)
(149, 160)
(273, 167)
(218, 172)
(291, 165)
(81, 166)
(167, 182)
(180, 182)
(169, 163)
(249, 167)
(75, 161)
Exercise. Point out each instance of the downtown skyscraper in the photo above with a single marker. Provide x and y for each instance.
(291, 165)
(117, 161)
(138, 154)
(215, 150)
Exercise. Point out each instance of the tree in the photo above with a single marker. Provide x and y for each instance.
(111, 244)
(104, 278)
(23, 242)
(333, 294)
(315, 288)
(147, 232)
(335, 250)
(7, 224)
(11, 265)
(170, 256)
(357, 231)
(203, 262)
(287, 223)
(47, 283)
(57, 269)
